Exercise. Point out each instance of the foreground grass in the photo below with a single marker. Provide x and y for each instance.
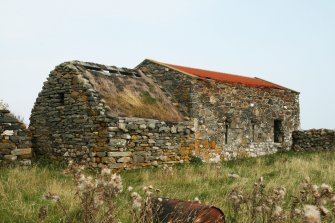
(21, 190)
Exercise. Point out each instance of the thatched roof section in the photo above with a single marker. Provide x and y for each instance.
(130, 93)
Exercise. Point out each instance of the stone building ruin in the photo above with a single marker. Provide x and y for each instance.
(15, 139)
(158, 113)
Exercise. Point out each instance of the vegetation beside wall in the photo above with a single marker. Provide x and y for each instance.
(21, 190)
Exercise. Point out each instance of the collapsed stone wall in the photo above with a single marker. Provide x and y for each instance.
(234, 118)
(138, 142)
(314, 140)
(15, 140)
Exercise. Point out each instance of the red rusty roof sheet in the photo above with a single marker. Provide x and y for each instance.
(224, 77)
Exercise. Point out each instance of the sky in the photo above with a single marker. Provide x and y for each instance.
(289, 42)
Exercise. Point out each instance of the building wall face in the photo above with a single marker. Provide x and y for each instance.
(15, 140)
(242, 119)
(239, 120)
(68, 119)
(175, 84)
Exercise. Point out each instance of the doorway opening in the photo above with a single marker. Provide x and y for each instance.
(278, 130)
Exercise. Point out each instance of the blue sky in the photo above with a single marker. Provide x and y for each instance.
(289, 42)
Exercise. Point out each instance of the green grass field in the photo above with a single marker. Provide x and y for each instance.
(21, 190)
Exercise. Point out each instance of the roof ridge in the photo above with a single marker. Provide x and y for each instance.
(212, 71)
(224, 77)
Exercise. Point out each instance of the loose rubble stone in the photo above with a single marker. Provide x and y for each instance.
(118, 154)
(14, 140)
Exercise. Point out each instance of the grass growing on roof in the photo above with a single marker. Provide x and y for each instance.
(132, 97)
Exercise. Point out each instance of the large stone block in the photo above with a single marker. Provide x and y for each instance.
(19, 152)
(117, 142)
(7, 133)
(108, 160)
(9, 146)
(116, 165)
(10, 157)
(124, 160)
(119, 154)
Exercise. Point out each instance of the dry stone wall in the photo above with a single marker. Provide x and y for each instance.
(236, 120)
(15, 140)
(137, 142)
(314, 140)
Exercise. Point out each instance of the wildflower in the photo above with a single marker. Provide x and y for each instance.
(43, 213)
(90, 184)
(137, 200)
(307, 180)
(151, 187)
(297, 211)
(148, 193)
(266, 208)
(326, 188)
(233, 175)
(197, 200)
(116, 183)
(134, 195)
(98, 201)
(259, 208)
(270, 201)
(130, 188)
(81, 187)
(160, 199)
(311, 214)
(145, 189)
(137, 204)
(80, 177)
(282, 192)
(323, 201)
(315, 188)
(51, 196)
(105, 172)
(278, 211)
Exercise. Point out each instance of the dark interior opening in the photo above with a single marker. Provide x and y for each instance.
(61, 98)
(226, 135)
(253, 132)
(278, 130)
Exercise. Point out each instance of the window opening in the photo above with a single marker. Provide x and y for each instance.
(226, 135)
(61, 98)
(253, 132)
(278, 130)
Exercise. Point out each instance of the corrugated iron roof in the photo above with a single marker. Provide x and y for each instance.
(224, 77)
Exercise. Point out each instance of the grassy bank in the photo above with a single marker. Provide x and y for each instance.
(21, 190)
